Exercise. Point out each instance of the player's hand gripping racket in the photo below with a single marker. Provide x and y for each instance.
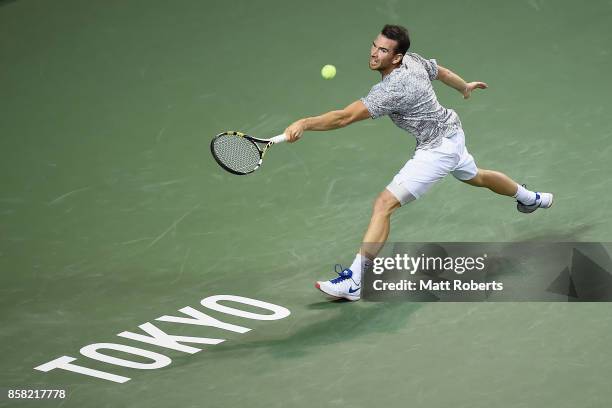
(240, 153)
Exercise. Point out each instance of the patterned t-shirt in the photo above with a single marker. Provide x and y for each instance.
(407, 97)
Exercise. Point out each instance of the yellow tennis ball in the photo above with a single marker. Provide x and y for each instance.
(328, 71)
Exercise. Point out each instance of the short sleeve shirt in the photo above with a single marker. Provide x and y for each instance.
(406, 95)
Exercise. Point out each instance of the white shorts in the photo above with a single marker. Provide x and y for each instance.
(428, 166)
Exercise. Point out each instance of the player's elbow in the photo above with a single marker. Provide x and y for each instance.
(344, 118)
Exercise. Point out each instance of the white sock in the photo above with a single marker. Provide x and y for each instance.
(358, 265)
(525, 196)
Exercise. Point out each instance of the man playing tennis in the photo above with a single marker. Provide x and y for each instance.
(406, 95)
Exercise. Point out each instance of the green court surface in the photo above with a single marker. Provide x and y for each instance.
(113, 213)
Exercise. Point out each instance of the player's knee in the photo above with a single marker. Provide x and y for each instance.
(480, 180)
(385, 203)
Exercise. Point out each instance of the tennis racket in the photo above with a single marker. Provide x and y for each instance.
(240, 153)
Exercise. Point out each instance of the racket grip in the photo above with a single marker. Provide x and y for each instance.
(279, 139)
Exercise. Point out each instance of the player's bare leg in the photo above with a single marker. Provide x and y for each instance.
(495, 181)
(348, 283)
(527, 201)
(378, 229)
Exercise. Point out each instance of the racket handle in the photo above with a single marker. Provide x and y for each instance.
(279, 139)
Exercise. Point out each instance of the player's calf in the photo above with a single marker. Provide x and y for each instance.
(495, 181)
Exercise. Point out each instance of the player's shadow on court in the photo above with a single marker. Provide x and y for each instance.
(347, 322)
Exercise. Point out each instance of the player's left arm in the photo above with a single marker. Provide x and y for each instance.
(356, 111)
(453, 80)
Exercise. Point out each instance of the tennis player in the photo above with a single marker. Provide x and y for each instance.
(406, 95)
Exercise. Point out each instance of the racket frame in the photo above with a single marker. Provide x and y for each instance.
(256, 141)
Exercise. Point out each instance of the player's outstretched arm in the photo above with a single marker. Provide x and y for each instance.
(453, 80)
(356, 111)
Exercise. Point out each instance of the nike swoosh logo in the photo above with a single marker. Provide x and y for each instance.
(351, 290)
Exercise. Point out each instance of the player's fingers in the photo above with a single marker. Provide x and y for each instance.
(482, 85)
(292, 136)
(290, 133)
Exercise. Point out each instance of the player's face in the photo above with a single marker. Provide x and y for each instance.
(382, 54)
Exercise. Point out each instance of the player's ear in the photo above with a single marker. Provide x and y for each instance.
(398, 58)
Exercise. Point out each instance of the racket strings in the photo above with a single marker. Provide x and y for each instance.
(237, 153)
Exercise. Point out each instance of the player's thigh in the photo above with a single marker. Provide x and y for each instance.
(419, 174)
(466, 169)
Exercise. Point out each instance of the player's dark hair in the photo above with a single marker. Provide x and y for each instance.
(400, 35)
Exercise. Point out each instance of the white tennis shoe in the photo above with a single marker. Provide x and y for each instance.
(543, 200)
(344, 286)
